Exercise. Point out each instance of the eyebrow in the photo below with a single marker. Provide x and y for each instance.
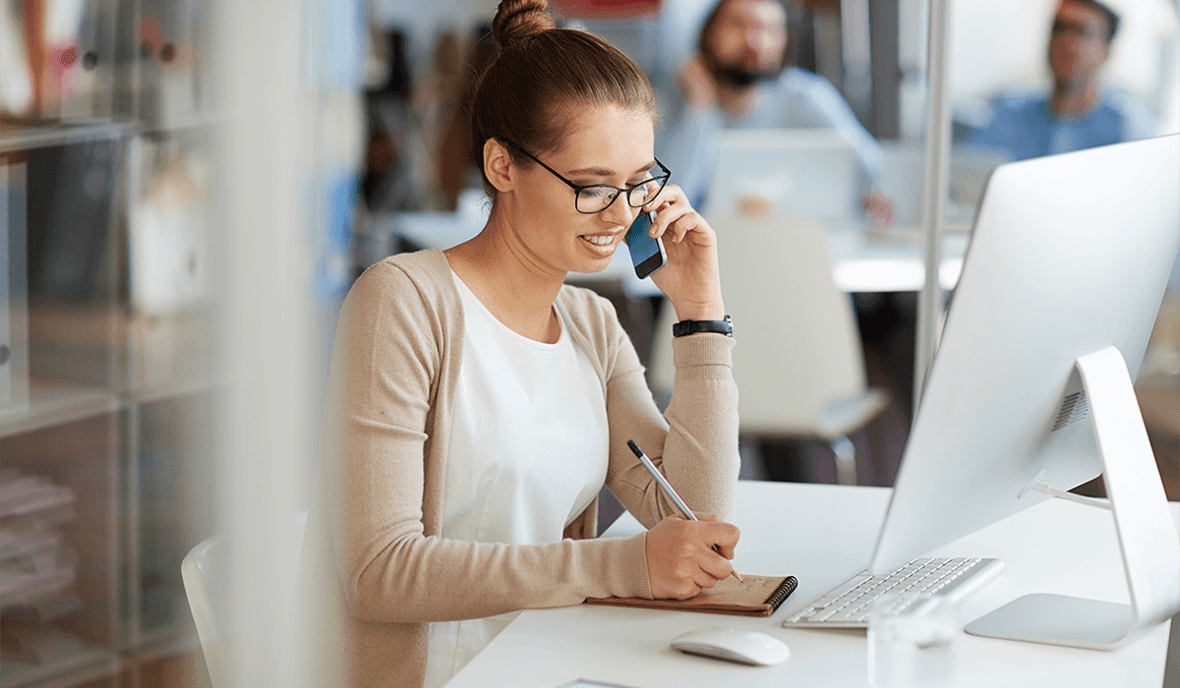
(603, 172)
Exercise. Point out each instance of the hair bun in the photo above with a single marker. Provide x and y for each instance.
(518, 19)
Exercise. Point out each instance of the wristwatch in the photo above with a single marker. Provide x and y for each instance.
(687, 327)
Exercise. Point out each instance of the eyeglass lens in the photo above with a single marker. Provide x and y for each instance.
(1068, 28)
(592, 199)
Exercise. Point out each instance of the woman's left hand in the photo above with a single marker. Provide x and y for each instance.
(690, 278)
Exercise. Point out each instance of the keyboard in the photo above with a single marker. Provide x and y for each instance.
(848, 604)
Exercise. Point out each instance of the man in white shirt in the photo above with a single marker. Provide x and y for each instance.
(739, 79)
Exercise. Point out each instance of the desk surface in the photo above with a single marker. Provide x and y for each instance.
(823, 534)
(867, 260)
(863, 260)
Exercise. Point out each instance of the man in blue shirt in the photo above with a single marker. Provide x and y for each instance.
(1079, 113)
(739, 80)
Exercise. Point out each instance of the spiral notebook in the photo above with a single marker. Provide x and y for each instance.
(757, 596)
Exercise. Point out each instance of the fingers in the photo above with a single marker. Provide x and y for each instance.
(716, 568)
(681, 556)
(725, 536)
(675, 217)
(879, 208)
(705, 580)
(723, 539)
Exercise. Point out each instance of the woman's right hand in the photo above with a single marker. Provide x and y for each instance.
(680, 557)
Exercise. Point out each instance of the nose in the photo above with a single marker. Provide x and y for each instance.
(620, 211)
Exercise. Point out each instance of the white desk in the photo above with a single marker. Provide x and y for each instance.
(863, 260)
(823, 534)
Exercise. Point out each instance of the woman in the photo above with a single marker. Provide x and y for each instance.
(479, 404)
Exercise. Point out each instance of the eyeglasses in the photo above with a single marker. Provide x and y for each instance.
(1063, 27)
(595, 198)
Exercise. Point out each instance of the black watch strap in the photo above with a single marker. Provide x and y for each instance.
(687, 327)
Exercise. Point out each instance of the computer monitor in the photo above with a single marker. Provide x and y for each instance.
(800, 172)
(1030, 390)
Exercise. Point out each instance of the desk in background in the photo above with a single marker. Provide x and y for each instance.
(868, 260)
(823, 534)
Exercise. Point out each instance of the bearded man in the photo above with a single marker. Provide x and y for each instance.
(740, 79)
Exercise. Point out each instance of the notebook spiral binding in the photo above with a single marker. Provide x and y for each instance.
(782, 592)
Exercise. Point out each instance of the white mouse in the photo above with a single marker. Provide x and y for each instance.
(735, 645)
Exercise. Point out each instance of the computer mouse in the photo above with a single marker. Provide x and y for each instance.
(735, 645)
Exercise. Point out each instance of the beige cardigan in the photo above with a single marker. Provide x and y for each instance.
(372, 544)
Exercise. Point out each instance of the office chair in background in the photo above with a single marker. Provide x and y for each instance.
(205, 570)
(799, 361)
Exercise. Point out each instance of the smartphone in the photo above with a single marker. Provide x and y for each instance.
(647, 254)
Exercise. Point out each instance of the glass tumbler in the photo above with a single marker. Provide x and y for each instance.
(913, 640)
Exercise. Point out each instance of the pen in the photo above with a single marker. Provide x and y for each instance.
(671, 493)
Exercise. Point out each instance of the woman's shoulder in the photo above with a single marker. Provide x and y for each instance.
(427, 271)
(421, 279)
(427, 265)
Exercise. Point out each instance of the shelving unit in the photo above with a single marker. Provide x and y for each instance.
(115, 383)
(84, 667)
(55, 404)
(45, 135)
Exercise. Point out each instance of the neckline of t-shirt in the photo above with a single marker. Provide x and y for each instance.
(470, 296)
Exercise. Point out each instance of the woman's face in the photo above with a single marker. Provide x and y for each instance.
(604, 145)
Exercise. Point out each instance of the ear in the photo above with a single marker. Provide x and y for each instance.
(498, 166)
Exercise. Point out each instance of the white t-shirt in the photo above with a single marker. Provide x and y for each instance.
(528, 453)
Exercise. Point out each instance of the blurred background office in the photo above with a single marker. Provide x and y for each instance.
(188, 189)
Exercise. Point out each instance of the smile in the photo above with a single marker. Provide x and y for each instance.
(599, 239)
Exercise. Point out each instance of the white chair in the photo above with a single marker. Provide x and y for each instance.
(205, 571)
(799, 361)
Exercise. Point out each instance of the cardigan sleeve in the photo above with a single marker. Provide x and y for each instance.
(390, 349)
(695, 441)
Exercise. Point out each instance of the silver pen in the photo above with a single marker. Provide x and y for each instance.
(671, 493)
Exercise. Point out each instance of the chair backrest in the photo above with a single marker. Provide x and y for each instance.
(798, 347)
(206, 574)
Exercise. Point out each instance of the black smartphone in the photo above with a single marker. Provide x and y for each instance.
(647, 254)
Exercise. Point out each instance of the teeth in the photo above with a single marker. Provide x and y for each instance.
(598, 240)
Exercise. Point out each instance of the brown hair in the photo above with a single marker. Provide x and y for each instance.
(542, 77)
(1112, 18)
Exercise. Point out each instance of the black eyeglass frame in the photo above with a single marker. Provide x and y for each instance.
(578, 188)
(1061, 27)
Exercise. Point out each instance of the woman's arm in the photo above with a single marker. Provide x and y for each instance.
(386, 372)
(695, 443)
